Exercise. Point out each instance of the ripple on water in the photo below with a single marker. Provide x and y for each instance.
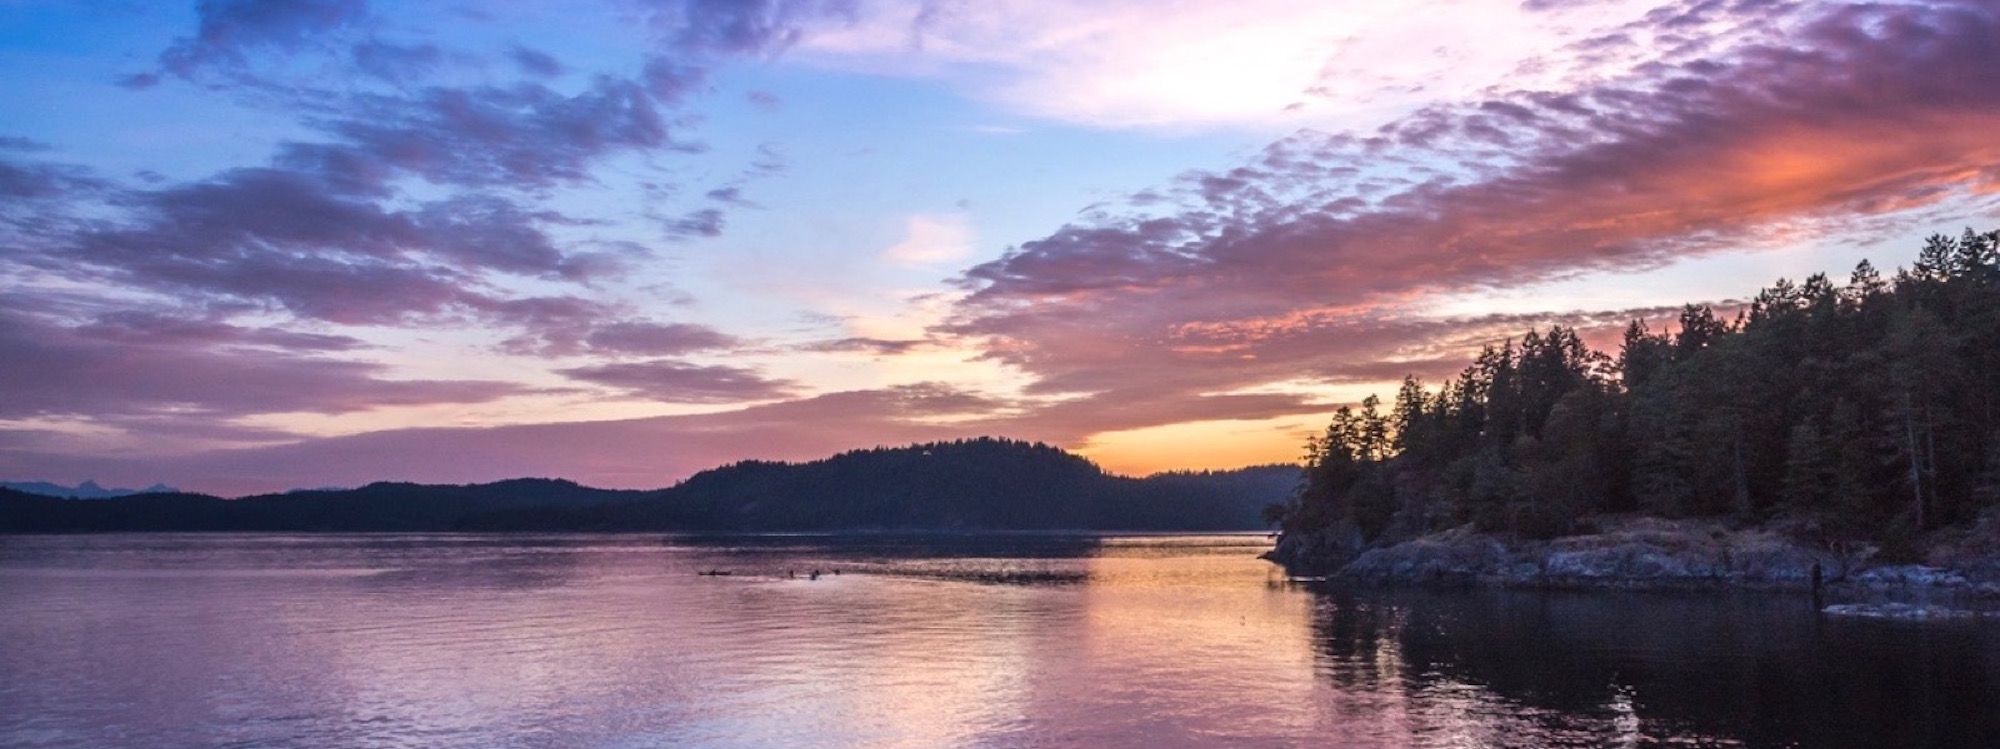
(1154, 641)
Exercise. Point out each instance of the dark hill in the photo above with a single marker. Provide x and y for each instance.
(85, 490)
(380, 506)
(981, 484)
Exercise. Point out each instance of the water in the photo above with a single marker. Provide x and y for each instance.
(1021, 641)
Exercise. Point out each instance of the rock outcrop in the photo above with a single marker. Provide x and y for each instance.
(1643, 553)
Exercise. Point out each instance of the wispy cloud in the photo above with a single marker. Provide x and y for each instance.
(669, 381)
(1188, 63)
(1317, 257)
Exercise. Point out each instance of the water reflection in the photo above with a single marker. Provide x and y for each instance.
(615, 641)
(1703, 669)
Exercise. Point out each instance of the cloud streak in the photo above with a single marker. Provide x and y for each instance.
(669, 381)
(1317, 259)
(126, 368)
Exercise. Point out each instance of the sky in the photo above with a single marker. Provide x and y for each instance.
(248, 246)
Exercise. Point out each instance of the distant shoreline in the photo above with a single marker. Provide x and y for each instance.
(855, 533)
(984, 484)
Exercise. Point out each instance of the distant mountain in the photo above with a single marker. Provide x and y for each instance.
(86, 490)
(980, 484)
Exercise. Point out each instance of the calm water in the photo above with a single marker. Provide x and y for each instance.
(615, 641)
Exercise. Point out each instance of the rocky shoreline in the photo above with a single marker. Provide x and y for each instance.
(1657, 554)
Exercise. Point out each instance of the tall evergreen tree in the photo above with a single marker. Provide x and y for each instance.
(1869, 410)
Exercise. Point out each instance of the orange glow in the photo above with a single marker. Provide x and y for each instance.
(1200, 445)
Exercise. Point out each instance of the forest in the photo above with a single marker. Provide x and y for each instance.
(1858, 412)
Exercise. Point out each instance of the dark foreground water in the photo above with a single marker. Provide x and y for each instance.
(615, 641)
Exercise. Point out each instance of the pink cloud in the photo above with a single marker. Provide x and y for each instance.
(1314, 260)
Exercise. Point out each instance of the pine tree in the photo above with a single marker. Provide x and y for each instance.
(1699, 328)
(1372, 432)
(1409, 417)
(1863, 285)
(1642, 355)
(1935, 260)
(1974, 255)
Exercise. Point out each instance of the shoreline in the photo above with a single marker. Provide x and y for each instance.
(1653, 554)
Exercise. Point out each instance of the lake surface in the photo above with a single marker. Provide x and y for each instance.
(1009, 641)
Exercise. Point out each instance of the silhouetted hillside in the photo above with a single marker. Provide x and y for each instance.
(376, 507)
(982, 484)
(85, 490)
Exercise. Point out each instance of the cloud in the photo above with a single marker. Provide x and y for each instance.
(396, 63)
(22, 182)
(520, 136)
(929, 240)
(741, 27)
(230, 30)
(876, 346)
(701, 222)
(657, 339)
(129, 367)
(669, 381)
(731, 195)
(535, 62)
(1190, 63)
(418, 202)
(1318, 258)
(312, 248)
(144, 328)
(17, 143)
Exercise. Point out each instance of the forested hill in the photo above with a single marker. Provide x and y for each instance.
(981, 484)
(974, 484)
(1859, 412)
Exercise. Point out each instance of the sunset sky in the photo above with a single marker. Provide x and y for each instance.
(252, 246)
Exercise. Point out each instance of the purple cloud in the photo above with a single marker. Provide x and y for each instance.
(866, 345)
(311, 248)
(231, 29)
(701, 222)
(740, 27)
(140, 328)
(110, 370)
(521, 136)
(1312, 260)
(396, 63)
(656, 339)
(535, 62)
(669, 381)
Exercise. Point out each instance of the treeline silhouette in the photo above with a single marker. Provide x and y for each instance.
(975, 484)
(1866, 412)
